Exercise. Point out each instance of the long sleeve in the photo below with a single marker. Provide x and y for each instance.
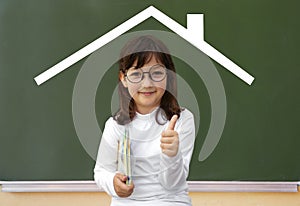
(175, 169)
(106, 164)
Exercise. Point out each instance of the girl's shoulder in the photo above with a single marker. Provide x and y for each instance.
(112, 127)
(185, 123)
(185, 114)
(186, 118)
(112, 123)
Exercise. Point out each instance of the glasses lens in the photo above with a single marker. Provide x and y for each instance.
(157, 73)
(135, 75)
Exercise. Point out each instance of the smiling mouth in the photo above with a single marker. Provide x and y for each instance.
(147, 93)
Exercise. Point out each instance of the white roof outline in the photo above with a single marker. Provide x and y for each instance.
(194, 33)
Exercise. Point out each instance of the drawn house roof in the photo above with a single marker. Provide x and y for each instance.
(194, 33)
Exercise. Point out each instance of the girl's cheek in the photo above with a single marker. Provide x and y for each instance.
(133, 89)
(161, 85)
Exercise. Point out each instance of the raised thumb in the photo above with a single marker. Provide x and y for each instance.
(172, 122)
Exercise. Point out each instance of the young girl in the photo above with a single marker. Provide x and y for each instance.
(160, 134)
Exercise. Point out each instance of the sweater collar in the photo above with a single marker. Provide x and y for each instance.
(147, 116)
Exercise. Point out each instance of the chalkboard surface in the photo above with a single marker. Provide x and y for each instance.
(260, 140)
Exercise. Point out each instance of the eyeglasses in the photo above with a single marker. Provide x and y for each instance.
(156, 73)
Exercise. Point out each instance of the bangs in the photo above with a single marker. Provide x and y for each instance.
(141, 50)
(143, 58)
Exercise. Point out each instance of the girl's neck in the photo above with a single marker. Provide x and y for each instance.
(144, 111)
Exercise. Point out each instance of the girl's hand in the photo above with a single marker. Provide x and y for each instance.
(121, 188)
(169, 139)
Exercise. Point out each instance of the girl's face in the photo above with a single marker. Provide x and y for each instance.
(147, 93)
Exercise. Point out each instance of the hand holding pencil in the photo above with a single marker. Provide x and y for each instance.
(169, 139)
(122, 189)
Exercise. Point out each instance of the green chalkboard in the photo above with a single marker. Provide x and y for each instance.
(260, 140)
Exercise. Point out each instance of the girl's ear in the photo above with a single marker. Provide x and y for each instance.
(122, 79)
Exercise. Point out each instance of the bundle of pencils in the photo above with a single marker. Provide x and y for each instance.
(125, 157)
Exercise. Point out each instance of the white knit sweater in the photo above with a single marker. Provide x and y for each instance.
(159, 180)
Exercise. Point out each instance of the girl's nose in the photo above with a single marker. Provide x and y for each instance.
(147, 82)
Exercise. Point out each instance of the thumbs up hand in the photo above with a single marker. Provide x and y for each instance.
(169, 139)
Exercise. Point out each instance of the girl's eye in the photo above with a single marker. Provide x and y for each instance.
(157, 73)
(135, 74)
